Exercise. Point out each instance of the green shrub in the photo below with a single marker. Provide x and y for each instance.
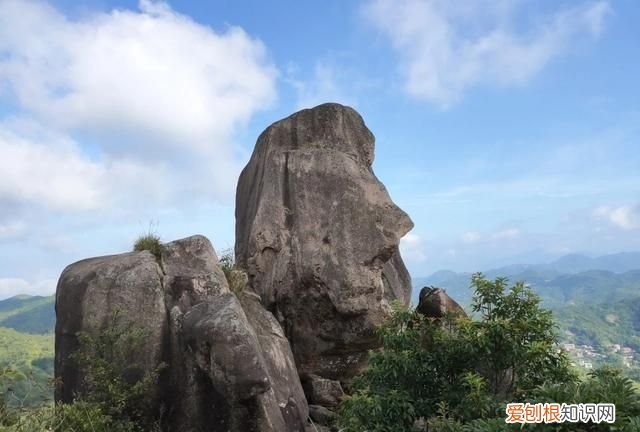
(470, 366)
(80, 416)
(236, 278)
(115, 380)
(118, 389)
(150, 242)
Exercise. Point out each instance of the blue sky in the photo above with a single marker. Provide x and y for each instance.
(508, 130)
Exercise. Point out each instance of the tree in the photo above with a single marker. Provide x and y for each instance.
(457, 370)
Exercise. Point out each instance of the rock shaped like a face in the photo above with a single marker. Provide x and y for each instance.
(318, 235)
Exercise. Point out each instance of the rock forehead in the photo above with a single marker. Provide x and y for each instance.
(318, 235)
(329, 126)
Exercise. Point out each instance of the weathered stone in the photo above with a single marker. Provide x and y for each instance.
(436, 303)
(279, 362)
(222, 366)
(318, 236)
(192, 273)
(322, 415)
(89, 293)
(322, 391)
(226, 348)
(192, 277)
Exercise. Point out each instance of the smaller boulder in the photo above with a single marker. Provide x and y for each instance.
(226, 348)
(322, 415)
(322, 391)
(436, 303)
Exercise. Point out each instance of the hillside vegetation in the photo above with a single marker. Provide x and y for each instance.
(28, 314)
(570, 280)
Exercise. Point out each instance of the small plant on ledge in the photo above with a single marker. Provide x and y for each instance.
(150, 242)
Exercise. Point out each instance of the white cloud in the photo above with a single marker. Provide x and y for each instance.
(412, 248)
(626, 217)
(52, 173)
(447, 47)
(158, 96)
(12, 230)
(10, 287)
(49, 170)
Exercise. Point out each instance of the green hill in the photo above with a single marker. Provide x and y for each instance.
(31, 356)
(556, 290)
(28, 314)
(602, 325)
(27, 347)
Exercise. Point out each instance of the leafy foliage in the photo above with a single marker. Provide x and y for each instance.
(117, 391)
(603, 385)
(457, 370)
(115, 379)
(236, 278)
(604, 324)
(30, 358)
(77, 417)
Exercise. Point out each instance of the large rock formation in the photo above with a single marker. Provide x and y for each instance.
(318, 235)
(227, 370)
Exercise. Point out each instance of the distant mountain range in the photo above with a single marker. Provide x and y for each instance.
(28, 314)
(27, 345)
(570, 280)
(596, 301)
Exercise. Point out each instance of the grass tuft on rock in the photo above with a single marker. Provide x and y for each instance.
(236, 278)
(150, 242)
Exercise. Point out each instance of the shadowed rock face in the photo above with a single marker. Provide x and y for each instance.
(227, 370)
(318, 235)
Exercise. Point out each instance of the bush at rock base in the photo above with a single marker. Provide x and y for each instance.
(458, 374)
(116, 398)
(114, 382)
